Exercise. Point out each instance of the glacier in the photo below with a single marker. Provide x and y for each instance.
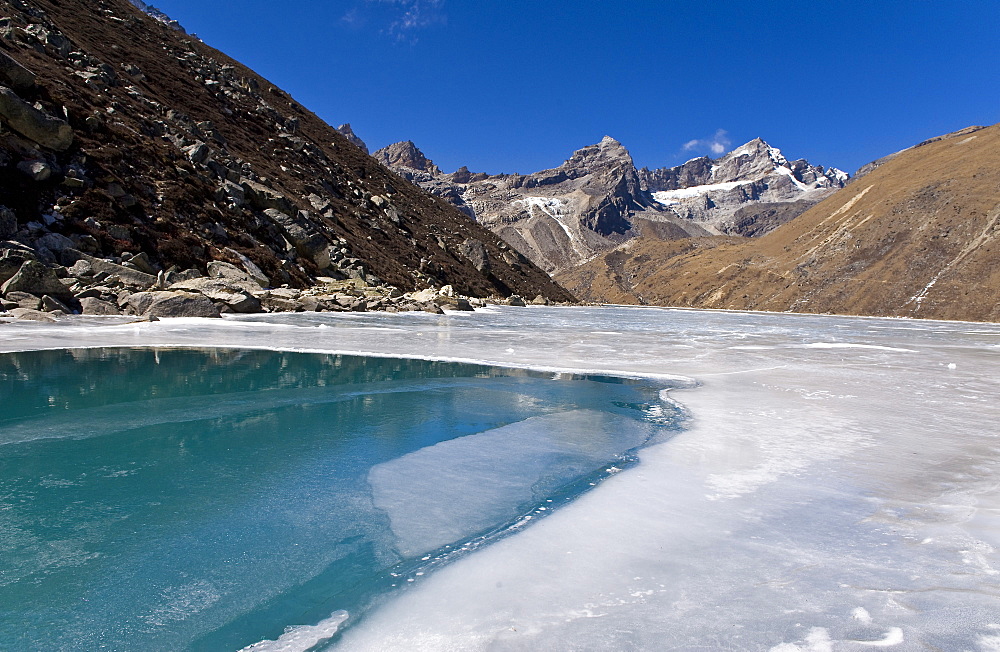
(836, 487)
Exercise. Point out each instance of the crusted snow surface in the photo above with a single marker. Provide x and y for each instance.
(837, 485)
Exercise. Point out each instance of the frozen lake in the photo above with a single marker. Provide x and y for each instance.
(836, 487)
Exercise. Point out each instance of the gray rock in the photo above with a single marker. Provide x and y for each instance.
(95, 306)
(140, 261)
(172, 304)
(11, 261)
(515, 300)
(14, 74)
(261, 197)
(235, 294)
(34, 124)
(198, 152)
(130, 277)
(37, 279)
(24, 300)
(303, 234)
(476, 252)
(36, 170)
(250, 268)
(229, 272)
(28, 314)
(51, 304)
(55, 242)
(81, 269)
(280, 304)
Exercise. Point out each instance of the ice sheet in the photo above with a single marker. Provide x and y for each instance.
(461, 487)
(843, 496)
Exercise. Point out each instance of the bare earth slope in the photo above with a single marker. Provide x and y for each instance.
(918, 236)
(185, 155)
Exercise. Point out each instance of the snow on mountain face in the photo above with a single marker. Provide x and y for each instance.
(710, 192)
(597, 199)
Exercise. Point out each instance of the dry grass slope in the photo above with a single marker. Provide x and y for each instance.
(919, 236)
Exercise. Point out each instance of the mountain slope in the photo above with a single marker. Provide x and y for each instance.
(186, 156)
(917, 236)
(597, 199)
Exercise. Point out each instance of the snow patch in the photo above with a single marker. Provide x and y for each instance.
(668, 197)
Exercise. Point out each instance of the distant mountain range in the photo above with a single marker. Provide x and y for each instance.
(915, 234)
(597, 199)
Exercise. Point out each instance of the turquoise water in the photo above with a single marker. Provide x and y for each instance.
(208, 499)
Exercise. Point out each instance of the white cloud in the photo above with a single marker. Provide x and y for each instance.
(717, 144)
(399, 19)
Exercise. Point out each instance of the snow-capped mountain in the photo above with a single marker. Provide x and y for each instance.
(559, 217)
(726, 194)
(597, 199)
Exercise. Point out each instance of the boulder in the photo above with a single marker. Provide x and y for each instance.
(35, 169)
(24, 300)
(128, 276)
(476, 252)
(11, 261)
(235, 294)
(51, 304)
(280, 304)
(172, 304)
(95, 306)
(250, 268)
(31, 123)
(261, 197)
(141, 262)
(221, 270)
(31, 315)
(14, 74)
(303, 235)
(55, 242)
(36, 278)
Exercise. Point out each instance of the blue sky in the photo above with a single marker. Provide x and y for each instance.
(517, 85)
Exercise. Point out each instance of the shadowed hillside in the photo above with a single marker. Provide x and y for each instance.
(162, 153)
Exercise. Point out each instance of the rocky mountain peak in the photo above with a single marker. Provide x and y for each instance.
(609, 153)
(348, 133)
(406, 154)
(748, 161)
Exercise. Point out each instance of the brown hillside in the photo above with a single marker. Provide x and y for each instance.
(918, 236)
(185, 155)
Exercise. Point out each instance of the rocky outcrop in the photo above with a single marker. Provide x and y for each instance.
(130, 147)
(597, 199)
(348, 133)
(34, 124)
(406, 155)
